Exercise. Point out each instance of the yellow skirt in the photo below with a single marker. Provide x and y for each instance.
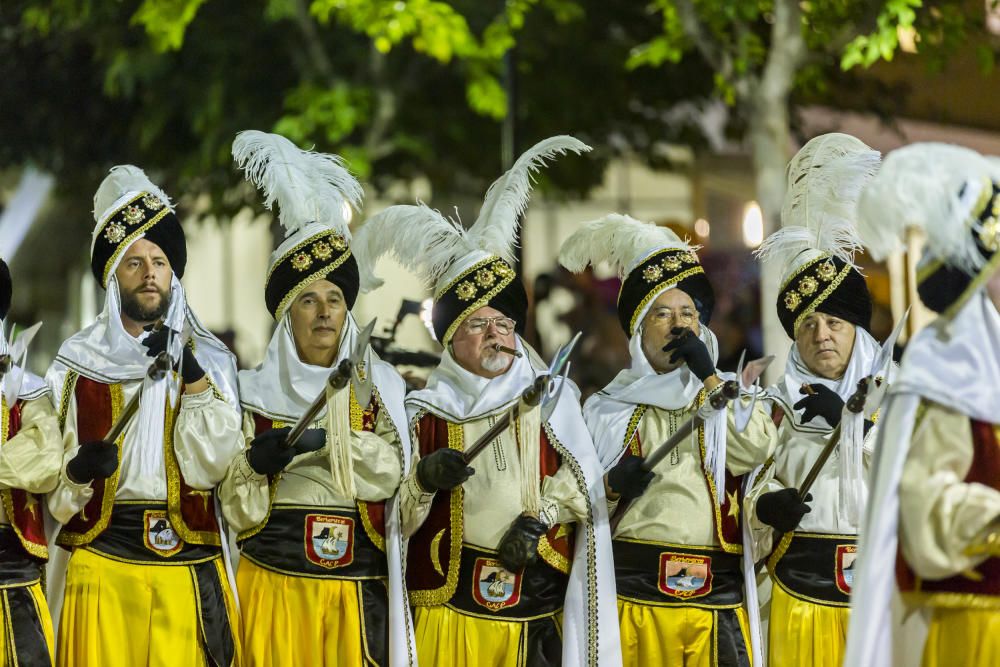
(803, 634)
(8, 650)
(674, 636)
(967, 637)
(123, 614)
(447, 638)
(300, 621)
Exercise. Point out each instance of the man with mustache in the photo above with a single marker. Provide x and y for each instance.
(166, 591)
(684, 516)
(30, 458)
(824, 305)
(530, 509)
(320, 573)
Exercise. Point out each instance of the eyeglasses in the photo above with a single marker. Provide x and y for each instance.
(666, 315)
(477, 325)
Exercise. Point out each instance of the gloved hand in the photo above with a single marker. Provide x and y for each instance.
(783, 509)
(443, 470)
(94, 461)
(823, 403)
(687, 347)
(312, 440)
(628, 478)
(267, 454)
(191, 370)
(519, 545)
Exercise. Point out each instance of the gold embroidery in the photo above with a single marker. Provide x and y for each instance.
(185, 532)
(792, 300)
(435, 556)
(652, 273)
(293, 293)
(485, 278)
(808, 285)
(672, 262)
(500, 268)
(301, 261)
(465, 291)
(152, 202)
(322, 251)
(671, 280)
(551, 556)
(114, 232)
(834, 284)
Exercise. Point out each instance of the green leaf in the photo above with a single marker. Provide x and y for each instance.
(166, 21)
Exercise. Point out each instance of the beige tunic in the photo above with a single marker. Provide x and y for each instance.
(492, 497)
(375, 456)
(793, 459)
(940, 514)
(32, 458)
(678, 506)
(206, 438)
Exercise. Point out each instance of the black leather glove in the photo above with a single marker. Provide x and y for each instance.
(629, 479)
(267, 454)
(95, 460)
(783, 509)
(687, 347)
(156, 342)
(519, 545)
(823, 403)
(443, 470)
(312, 440)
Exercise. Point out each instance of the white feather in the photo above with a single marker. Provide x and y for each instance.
(931, 186)
(422, 239)
(307, 186)
(824, 182)
(495, 230)
(619, 240)
(121, 180)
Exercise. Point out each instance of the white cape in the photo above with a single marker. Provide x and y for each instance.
(959, 373)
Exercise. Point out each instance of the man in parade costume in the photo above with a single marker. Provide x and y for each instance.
(509, 557)
(30, 458)
(146, 583)
(320, 577)
(825, 308)
(677, 548)
(933, 518)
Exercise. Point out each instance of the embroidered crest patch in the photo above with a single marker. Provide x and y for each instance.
(846, 555)
(493, 586)
(329, 540)
(158, 535)
(685, 575)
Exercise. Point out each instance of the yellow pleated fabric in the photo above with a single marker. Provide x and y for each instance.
(446, 638)
(966, 637)
(670, 636)
(803, 634)
(299, 621)
(122, 614)
(44, 617)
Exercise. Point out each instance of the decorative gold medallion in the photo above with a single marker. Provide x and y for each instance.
(114, 232)
(827, 270)
(990, 235)
(338, 243)
(485, 278)
(152, 203)
(792, 300)
(465, 290)
(672, 262)
(652, 273)
(322, 251)
(133, 215)
(808, 285)
(691, 257)
(301, 261)
(502, 270)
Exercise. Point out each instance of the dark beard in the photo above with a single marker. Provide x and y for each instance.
(137, 313)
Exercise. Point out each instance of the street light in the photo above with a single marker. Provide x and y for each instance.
(753, 225)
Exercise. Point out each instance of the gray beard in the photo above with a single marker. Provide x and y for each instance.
(493, 363)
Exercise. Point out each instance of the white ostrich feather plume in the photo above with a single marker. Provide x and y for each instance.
(495, 230)
(824, 183)
(619, 240)
(120, 181)
(419, 237)
(428, 243)
(307, 186)
(933, 186)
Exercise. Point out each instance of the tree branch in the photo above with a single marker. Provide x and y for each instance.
(713, 53)
(384, 112)
(313, 42)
